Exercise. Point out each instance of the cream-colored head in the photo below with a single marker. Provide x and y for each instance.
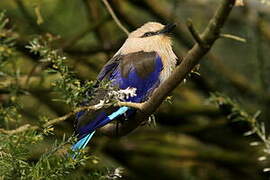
(148, 27)
(150, 37)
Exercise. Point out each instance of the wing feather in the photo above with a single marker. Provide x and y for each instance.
(139, 70)
(109, 67)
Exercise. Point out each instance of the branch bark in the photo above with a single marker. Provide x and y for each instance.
(190, 60)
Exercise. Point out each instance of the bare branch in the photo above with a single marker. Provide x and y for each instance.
(115, 17)
(20, 129)
(233, 37)
(40, 19)
(131, 104)
(28, 16)
(79, 109)
(69, 43)
(28, 127)
(195, 34)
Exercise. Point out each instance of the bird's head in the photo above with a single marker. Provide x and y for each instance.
(152, 36)
(152, 30)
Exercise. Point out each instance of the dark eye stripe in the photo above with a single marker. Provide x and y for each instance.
(147, 34)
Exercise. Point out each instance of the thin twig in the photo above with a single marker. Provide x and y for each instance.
(94, 107)
(79, 109)
(28, 16)
(28, 127)
(40, 19)
(73, 40)
(233, 37)
(20, 129)
(30, 74)
(194, 33)
(115, 17)
(261, 53)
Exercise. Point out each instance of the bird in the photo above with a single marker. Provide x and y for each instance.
(145, 60)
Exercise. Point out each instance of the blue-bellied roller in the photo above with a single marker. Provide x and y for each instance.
(143, 62)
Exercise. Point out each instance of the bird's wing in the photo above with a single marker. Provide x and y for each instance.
(140, 70)
(109, 67)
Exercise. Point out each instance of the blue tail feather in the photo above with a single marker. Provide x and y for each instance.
(84, 141)
(119, 112)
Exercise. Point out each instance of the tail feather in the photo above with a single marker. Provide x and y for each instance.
(83, 142)
(97, 124)
(119, 112)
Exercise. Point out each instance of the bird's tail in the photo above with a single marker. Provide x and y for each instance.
(85, 140)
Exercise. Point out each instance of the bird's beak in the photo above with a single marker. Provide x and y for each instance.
(168, 28)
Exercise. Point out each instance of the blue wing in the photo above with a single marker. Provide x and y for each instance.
(138, 70)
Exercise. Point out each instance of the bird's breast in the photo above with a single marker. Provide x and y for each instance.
(169, 63)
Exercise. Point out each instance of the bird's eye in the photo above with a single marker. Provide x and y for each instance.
(147, 34)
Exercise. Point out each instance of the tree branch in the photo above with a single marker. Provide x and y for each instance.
(20, 129)
(233, 37)
(79, 109)
(190, 60)
(28, 127)
(115, 17)
(195, 34)
(28, 16)
(138, 106)
(72, 41)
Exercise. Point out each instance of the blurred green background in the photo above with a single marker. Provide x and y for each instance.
(193, 139)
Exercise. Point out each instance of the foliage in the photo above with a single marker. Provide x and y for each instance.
(15, 148)
(71, 88)
(7, 38)
(235, 112)
(16, 145)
